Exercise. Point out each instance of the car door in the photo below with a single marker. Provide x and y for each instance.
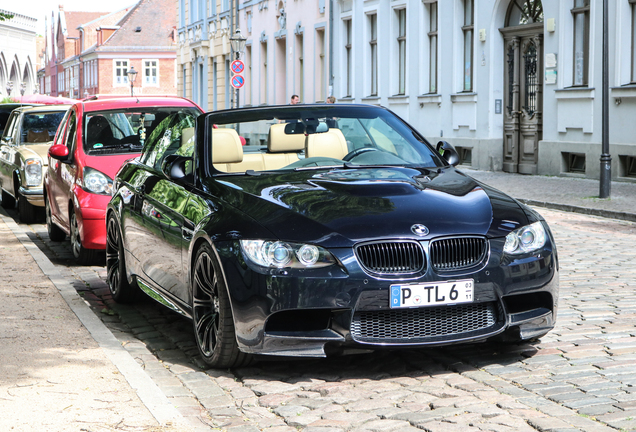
(62, 174)
(7, 152)
(161, 203)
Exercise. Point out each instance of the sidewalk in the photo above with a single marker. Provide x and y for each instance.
(564, 193)
(56, 373)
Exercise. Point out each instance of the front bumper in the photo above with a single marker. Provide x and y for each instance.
(35, 196)
(90, 210)
(314, 313)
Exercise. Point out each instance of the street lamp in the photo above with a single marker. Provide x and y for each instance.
(237, 42)
(9, 88)
(605, 178)
(22, 88)
(132, 74)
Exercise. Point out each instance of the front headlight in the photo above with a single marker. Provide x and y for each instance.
(279, 254)
(526, 239)
(97, 182)
(33, 172)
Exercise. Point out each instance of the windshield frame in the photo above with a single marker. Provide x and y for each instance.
(302, 112)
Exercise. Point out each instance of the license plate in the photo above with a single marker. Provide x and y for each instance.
(432, 294)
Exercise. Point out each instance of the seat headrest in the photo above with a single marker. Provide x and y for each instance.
(226, 146)
(38, 137)
(280, 142)
(186, 135)
(327, 144)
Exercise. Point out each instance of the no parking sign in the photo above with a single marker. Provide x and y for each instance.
(237, 66)
(237, 81)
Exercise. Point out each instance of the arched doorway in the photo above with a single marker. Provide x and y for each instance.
(523, 85)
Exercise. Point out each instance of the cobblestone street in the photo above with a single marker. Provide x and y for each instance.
(580, 377)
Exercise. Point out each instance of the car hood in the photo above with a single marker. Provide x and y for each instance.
(344, 206)
(108, 164)
(35, 151)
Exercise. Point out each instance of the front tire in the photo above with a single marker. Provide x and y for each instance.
(55, 232)
(8, 201)
(212, 314)
(26, 211)
(82, 255)
(121, 290)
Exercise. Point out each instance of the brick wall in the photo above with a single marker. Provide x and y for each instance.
(166, 78)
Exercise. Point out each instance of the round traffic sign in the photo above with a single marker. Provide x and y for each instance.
(237, 66)
(237, 81)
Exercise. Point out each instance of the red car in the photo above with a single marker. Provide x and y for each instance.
(93, 141)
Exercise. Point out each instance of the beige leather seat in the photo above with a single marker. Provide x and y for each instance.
(226, 148)
(327, 144)
(38, 137)
(280, 142)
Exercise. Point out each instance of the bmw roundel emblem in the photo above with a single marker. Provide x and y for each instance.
(419, 230)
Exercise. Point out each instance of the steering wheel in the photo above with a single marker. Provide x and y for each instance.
(357, 152)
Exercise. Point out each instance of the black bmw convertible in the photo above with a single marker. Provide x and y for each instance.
(312, 230)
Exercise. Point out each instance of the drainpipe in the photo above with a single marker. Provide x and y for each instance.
(330, 47)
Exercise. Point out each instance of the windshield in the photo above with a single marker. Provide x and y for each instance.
(40, 127)
(310, 137)
(125, 130)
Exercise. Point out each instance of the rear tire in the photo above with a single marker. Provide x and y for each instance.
(212, 314)
(55, 232)
(82, 255)
(8, 201)
(26, 210)
(120, 289)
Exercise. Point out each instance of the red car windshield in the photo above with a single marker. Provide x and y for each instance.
(125, 130)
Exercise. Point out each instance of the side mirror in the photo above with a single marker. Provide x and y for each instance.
(59, 152)
(448, 152)
(175, 167)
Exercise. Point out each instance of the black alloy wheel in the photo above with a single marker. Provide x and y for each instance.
(55, 232)
(82, 255)
(212, 314)
(121, 290)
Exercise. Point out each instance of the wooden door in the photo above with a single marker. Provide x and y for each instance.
(523, 101)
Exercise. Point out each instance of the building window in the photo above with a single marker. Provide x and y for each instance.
(151, 73)
(581, 17)
(432, 43)
(184, 73)
(373, 45)
(120, 71)
(401, 45)
(467, 30)
(348, 54)
(248, 80)
(263, 77)
(321, 90)
(300, 49)
(633, 73)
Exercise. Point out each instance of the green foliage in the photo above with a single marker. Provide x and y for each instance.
(8, 100)
(5, 16)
